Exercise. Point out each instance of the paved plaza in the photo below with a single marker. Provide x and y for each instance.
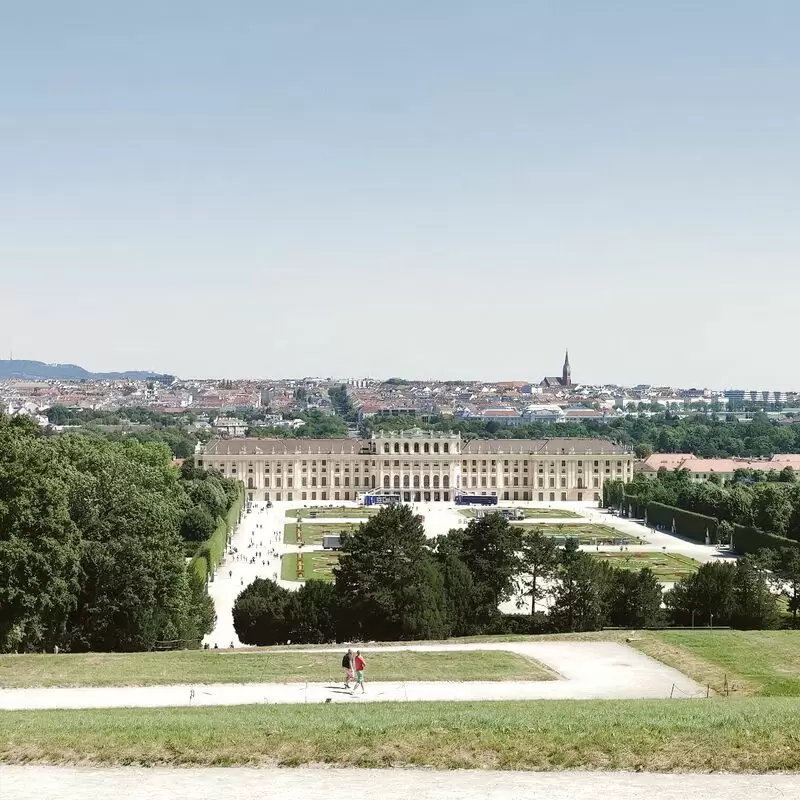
(34, 782)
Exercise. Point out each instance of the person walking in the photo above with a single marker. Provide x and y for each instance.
(347, 666)
(360, 664)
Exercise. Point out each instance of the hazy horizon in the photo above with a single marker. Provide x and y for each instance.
(428, 189)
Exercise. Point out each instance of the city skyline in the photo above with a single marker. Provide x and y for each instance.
(532, 379)
(440, 189)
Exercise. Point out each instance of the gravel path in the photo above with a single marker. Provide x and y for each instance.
(586, 670)
(233, 783)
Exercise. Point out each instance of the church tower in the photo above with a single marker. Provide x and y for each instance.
(566, 373)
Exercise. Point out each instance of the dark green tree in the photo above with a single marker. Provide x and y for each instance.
(580, 596)
(264, 613)
(707, 597)
(539, 561)
(315, 613)
(755, 605)
(634, 599)
(387, 583)
(490, 548)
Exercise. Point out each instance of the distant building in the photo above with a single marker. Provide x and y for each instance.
(543, 413)
(230, 426)
(417, 466)
(739, 398)
(701, 469)
(564, 382)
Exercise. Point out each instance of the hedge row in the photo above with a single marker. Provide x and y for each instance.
(212, 551)
(199, 566)
(747, 539)
(687, 523)
(631, 507)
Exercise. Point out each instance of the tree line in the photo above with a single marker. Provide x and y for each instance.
(393, 584)
(769, 501)
(707, 436)
(94, 537)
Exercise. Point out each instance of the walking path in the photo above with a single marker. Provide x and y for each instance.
(33, 782)
(586, 670)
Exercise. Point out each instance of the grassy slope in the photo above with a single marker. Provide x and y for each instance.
(734, 734)
(765, 663)
(718, 734)
(222, 666)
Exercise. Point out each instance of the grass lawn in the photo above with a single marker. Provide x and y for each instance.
(530, 513)
(222, 666)
(765, 663)
(318, 565)
(585, 533)
(313, 532)
(731, 735)
(668, 567)
(338, 512)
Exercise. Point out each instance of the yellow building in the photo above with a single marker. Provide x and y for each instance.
(419, 466)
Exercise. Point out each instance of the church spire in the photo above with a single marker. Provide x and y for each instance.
(566, 374)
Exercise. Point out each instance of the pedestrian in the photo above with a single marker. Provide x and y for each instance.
(230, 573)
(360, 664)
(347, 666)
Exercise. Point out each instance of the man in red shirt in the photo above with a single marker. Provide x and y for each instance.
(359, 664)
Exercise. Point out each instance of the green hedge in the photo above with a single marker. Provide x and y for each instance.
(750, 540)
(199, 566)
(213, 549)
(687, 523)
(631, 501)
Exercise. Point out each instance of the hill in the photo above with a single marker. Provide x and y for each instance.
(38, 370)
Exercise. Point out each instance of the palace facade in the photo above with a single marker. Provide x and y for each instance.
(419, 466)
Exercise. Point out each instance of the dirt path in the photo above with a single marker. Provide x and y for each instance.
(70, 783)
(586, 670)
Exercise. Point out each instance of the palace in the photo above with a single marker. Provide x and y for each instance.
(419, 466)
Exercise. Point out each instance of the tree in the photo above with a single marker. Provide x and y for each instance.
(264, 613)
(772, 509)
(613, 493)
(315, 613)
(197, 524)
(458, 587)
(724, 532)
(539, 562)
(787, 573)
(634, 599)
(387, 583)
(755, 605)
(580, 596)
(706, 597)
(643, 450)
(39, 557)
(490, 549)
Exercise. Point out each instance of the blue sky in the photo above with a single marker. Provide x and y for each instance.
(443, 188)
